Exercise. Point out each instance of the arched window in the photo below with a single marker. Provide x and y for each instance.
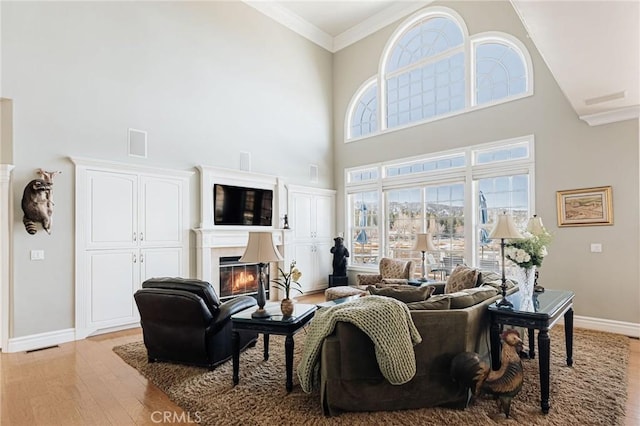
(501, 70)
(363, 118)
(431, 68)
(424, 73)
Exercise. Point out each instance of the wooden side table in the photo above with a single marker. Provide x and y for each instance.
(275, 324)
(549, 306)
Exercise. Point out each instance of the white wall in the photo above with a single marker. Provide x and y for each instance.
(207, 80)
(569, 155)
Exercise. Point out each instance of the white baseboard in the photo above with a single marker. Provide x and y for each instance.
(43, 340)
(609, 326)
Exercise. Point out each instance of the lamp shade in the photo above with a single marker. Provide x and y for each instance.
(424, 242)
(261, 249)
(505, 228)
(535, 226)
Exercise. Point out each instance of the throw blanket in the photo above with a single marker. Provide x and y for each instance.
(386, 321)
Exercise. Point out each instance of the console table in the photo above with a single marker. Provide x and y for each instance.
(275, 324)
(549, 307)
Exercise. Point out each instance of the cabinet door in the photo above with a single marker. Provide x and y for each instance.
(300, 214)
(112, 202)
(161, 262)
(160, 211)
(322, 219)
(324, 264)
(113, 278)
(305, 262)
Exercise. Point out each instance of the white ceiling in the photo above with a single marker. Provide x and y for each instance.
(591, 47)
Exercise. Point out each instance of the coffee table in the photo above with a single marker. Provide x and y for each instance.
(275, 324)
(550, 306)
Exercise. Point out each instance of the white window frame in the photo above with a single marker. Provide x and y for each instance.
(468, 174)
(468, 47)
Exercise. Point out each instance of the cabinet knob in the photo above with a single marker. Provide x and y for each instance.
(135, 236)
(142, 258)
(134, 258)
(141, 236)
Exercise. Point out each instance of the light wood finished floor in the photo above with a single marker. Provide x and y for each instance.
(86, 383)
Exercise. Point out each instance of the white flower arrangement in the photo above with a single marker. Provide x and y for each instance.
(529, 251)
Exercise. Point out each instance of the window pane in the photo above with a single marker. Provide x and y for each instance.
(424, 39)
(363, 175)
(365, 116)
(500, 72)
(512, 152)
(404, 221)
(497, 195)
(365, 241)
(425, 166)
(444, 209)
(433, 89)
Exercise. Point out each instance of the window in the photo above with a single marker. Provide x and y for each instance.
(455, 196)
(431, 68)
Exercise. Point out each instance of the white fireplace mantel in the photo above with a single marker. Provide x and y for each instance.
(215, 241)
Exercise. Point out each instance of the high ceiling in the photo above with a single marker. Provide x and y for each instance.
(591, 47)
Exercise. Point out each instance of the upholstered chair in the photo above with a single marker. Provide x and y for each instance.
(183, 321)
(392, 272)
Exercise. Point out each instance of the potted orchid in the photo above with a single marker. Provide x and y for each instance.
(288, 281)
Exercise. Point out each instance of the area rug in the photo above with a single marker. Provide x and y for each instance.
(592, 392)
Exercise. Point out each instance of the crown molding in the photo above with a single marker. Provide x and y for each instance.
(356, 33)
(375, 23)
(294, 22)
(613, 116)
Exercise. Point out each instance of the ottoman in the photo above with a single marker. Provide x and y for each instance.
(333, 293)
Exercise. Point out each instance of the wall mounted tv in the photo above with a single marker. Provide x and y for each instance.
(237, 205)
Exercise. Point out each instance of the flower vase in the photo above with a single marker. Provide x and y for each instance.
(526, 281)
(286, 306)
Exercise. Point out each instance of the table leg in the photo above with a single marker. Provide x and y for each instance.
(235, 354)
(266, 347)
(288, 351)
(532, 343)
(544, 346)
(495, 345)
(568, 335)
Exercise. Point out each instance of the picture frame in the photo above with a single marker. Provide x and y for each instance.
(585, 207)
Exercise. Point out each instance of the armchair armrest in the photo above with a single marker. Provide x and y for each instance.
(231, 307)
(368, 279)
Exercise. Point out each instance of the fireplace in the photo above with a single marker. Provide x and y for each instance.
(239, 278)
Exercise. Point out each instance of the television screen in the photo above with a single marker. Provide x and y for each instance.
(237, 205)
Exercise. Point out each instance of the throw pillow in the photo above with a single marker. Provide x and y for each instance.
(392, 282)
(461, 278)
(435, 303)
(405, 294)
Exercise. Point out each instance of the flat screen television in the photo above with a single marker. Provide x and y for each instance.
(238, 205)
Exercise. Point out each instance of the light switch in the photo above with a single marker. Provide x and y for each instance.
(37, 254)
(596, 248)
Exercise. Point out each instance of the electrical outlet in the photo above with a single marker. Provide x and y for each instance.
(596, 248)
(37, 254)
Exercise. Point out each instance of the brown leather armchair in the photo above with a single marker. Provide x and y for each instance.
(184, 321)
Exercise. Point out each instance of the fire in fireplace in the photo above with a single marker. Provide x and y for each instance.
(238, 278)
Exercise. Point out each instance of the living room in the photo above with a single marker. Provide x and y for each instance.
(76, 76)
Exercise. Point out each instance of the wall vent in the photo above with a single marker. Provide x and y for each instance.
(313, 173)
(137, 143)
(245, 161)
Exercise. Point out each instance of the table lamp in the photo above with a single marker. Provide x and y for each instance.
(424, 243)
(261, 250)
(505, 228)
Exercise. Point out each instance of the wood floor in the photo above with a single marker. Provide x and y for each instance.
(86, 383)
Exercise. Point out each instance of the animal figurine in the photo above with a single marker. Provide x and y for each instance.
(503, 384)
(37, 202)
(340, 254)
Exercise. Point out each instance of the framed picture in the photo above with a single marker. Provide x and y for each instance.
(585, 207)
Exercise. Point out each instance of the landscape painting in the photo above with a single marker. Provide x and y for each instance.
(584, 207)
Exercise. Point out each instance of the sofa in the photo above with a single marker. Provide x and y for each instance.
(350, 379)
(184, 321)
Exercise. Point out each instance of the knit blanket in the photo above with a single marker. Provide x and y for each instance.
(388, 324)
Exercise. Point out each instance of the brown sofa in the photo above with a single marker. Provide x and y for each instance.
(350, 379)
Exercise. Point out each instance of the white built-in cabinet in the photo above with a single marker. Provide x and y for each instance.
(132, 224)
(311, 214)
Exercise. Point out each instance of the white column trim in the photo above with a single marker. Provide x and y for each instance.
(6, 250)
